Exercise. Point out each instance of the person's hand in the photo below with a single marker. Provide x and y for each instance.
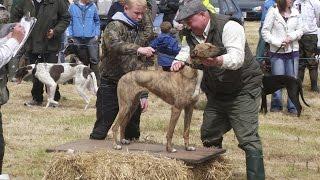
(176, 65)
(18, 32)
(144, 104)
(286, 42)
(50, 33)
(217, 61)
(147, 51)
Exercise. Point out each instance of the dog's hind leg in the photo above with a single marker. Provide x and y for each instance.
(51, 89)
(293, 94)
(175, 113)
(81, 91)
(187, 121)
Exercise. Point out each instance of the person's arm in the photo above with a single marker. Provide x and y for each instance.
(9, 47)
(63, 18)
(233, 39)
(317, 12)
(113, 41)
(70, 27)
(266, 29)
(295, 35)
(7, 50)
(96, 20)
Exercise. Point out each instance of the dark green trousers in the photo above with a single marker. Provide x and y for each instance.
(239, 113)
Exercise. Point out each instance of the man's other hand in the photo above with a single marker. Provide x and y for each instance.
(147, 51)
(176, 65)
(18, 32)
(50, 33)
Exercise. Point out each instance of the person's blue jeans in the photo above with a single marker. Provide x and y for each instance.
(287, 67)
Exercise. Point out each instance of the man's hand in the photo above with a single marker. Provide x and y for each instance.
(217, 61)
(18, 32)
(176, 65)
(144, 104)
(147, 51)
(50, 33)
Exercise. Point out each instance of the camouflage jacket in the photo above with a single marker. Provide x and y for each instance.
(121, 40)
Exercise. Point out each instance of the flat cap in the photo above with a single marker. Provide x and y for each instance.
(190, 8)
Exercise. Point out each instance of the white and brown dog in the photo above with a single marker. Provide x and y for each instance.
(52, 74)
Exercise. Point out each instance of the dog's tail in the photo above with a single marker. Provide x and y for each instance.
(94, 83)
(301, 93)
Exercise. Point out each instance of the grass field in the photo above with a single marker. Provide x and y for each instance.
(291, 144)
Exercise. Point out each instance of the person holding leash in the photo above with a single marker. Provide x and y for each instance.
(232, 83)
(282, 29)
(123, 50)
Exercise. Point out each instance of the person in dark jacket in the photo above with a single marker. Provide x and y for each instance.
(123, 50)
(166, 45)
(232, 83)
(169, 8)
(44, 41)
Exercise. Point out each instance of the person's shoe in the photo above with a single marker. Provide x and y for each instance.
(293, 112)
(33, 103)
(315, 89)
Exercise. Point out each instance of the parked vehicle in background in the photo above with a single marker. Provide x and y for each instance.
(251, 9)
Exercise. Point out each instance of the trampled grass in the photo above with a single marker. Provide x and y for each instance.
(291, 144)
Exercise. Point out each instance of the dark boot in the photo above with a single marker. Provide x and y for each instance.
(301, 74)
(255, 166)
(95, 69)
(314, 80)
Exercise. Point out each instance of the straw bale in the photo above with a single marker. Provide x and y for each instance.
(128, 165)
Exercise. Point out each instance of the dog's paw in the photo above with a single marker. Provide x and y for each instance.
(171, 150)
(125, 141)
(117, 147)
(190, 148)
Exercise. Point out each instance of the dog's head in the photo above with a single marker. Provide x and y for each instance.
(23, 72)
(203, 51)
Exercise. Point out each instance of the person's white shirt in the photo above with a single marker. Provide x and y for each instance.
(7, 49)
(310, 14)
(233, 39)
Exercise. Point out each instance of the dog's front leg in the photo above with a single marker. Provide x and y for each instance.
(175, 113)
(187, 121)
(199, 79)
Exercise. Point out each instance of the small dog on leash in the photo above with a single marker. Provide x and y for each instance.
(52, 74)
(175, 88)
(276, 82)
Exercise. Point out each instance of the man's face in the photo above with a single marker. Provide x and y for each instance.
(134, 11)
(197, 23)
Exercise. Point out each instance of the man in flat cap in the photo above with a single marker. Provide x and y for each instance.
(232, 82)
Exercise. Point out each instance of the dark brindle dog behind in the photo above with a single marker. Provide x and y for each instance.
(175, 88)
(276, 82)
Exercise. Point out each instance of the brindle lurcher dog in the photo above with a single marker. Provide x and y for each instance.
(175, 88)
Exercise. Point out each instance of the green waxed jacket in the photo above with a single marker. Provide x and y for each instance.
(53, 14)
